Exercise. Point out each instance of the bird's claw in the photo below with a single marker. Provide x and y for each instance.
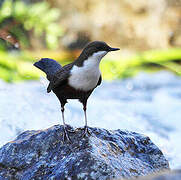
(66, 136)
(70, 131)
(86, 131)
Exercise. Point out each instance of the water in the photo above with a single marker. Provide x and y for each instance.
(149, 104)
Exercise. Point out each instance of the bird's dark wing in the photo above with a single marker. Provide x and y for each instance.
(100, 80)
(59, 78)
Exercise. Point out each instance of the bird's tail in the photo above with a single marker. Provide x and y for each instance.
(47, 65)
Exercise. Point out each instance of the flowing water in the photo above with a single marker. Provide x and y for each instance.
(148, 103)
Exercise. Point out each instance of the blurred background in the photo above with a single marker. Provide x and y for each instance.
(148, 34)
(141, 82)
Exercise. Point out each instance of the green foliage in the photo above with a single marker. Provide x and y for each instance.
(14, 67)
(19, 66)
(151, 60)
(38, 18)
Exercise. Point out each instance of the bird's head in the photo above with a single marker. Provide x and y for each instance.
(97, 49)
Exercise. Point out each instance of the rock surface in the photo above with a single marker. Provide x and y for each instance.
(170, 175)
(104, 154)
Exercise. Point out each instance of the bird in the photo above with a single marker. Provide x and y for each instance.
(76, 80)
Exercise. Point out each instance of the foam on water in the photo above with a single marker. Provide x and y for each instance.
(148, 104)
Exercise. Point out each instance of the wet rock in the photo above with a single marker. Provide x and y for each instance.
(170, 175)
(102, 155)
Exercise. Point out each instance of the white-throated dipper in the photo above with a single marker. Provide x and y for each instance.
(78, 79)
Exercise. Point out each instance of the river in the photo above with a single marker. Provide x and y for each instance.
(148, 103)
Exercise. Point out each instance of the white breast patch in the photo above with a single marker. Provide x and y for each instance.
(86, 77)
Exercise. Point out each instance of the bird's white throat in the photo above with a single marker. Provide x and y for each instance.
(87, 76)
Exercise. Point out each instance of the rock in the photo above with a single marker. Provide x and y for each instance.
(104, 154)
(170, 175)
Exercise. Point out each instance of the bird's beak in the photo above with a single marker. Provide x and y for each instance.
(114, 49)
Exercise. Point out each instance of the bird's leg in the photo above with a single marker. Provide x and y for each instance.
(65, 136)
(86, 131)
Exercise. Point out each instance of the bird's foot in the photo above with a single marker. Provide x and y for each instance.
(66, 136)
(70, 131)
(86, 131)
